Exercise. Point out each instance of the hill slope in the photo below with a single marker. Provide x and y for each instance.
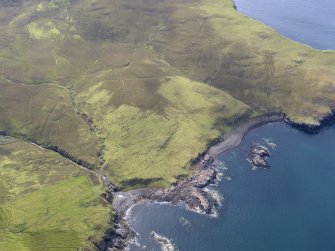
(47, 202)
(118, 67)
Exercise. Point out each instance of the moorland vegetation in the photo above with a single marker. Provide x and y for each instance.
(133, 90)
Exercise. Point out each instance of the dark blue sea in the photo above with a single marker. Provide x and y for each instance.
(291, 206)
(307, 21)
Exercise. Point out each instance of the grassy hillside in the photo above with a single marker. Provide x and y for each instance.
(138, 88)
(210, 41)
(73, 82)
(154, 146)
(45, 114)
(47, 202)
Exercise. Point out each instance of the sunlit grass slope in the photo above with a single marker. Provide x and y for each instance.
(47, 202)
(209, 40)
(154, 146)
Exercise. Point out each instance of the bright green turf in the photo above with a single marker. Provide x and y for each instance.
(156, 146)
(46, 202)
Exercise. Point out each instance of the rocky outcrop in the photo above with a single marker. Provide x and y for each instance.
(326, 120)
(258, 156)
(203, 178)
(191, 192)
(165, 243)
(117, 237)
(194, 197)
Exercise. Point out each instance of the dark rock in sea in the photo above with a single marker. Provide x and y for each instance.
(261, 151)
(258, 156)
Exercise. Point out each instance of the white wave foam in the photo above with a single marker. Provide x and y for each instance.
(185, 222)
(270, 143)
(165, 243)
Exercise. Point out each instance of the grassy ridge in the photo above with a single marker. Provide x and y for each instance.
(46, 202)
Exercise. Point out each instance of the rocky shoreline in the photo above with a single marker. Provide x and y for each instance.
(326, 120)
(192, 191)
(189, 192)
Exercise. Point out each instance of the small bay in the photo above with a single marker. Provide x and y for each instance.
(288, 207)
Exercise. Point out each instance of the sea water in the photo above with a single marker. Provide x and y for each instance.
(287, 207)
(307, 21)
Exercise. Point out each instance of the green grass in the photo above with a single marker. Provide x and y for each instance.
(155, 146)
(58, 217)
(47, 30)
(46, 202)
(45, 114)
(130, 81)
(249, 60)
